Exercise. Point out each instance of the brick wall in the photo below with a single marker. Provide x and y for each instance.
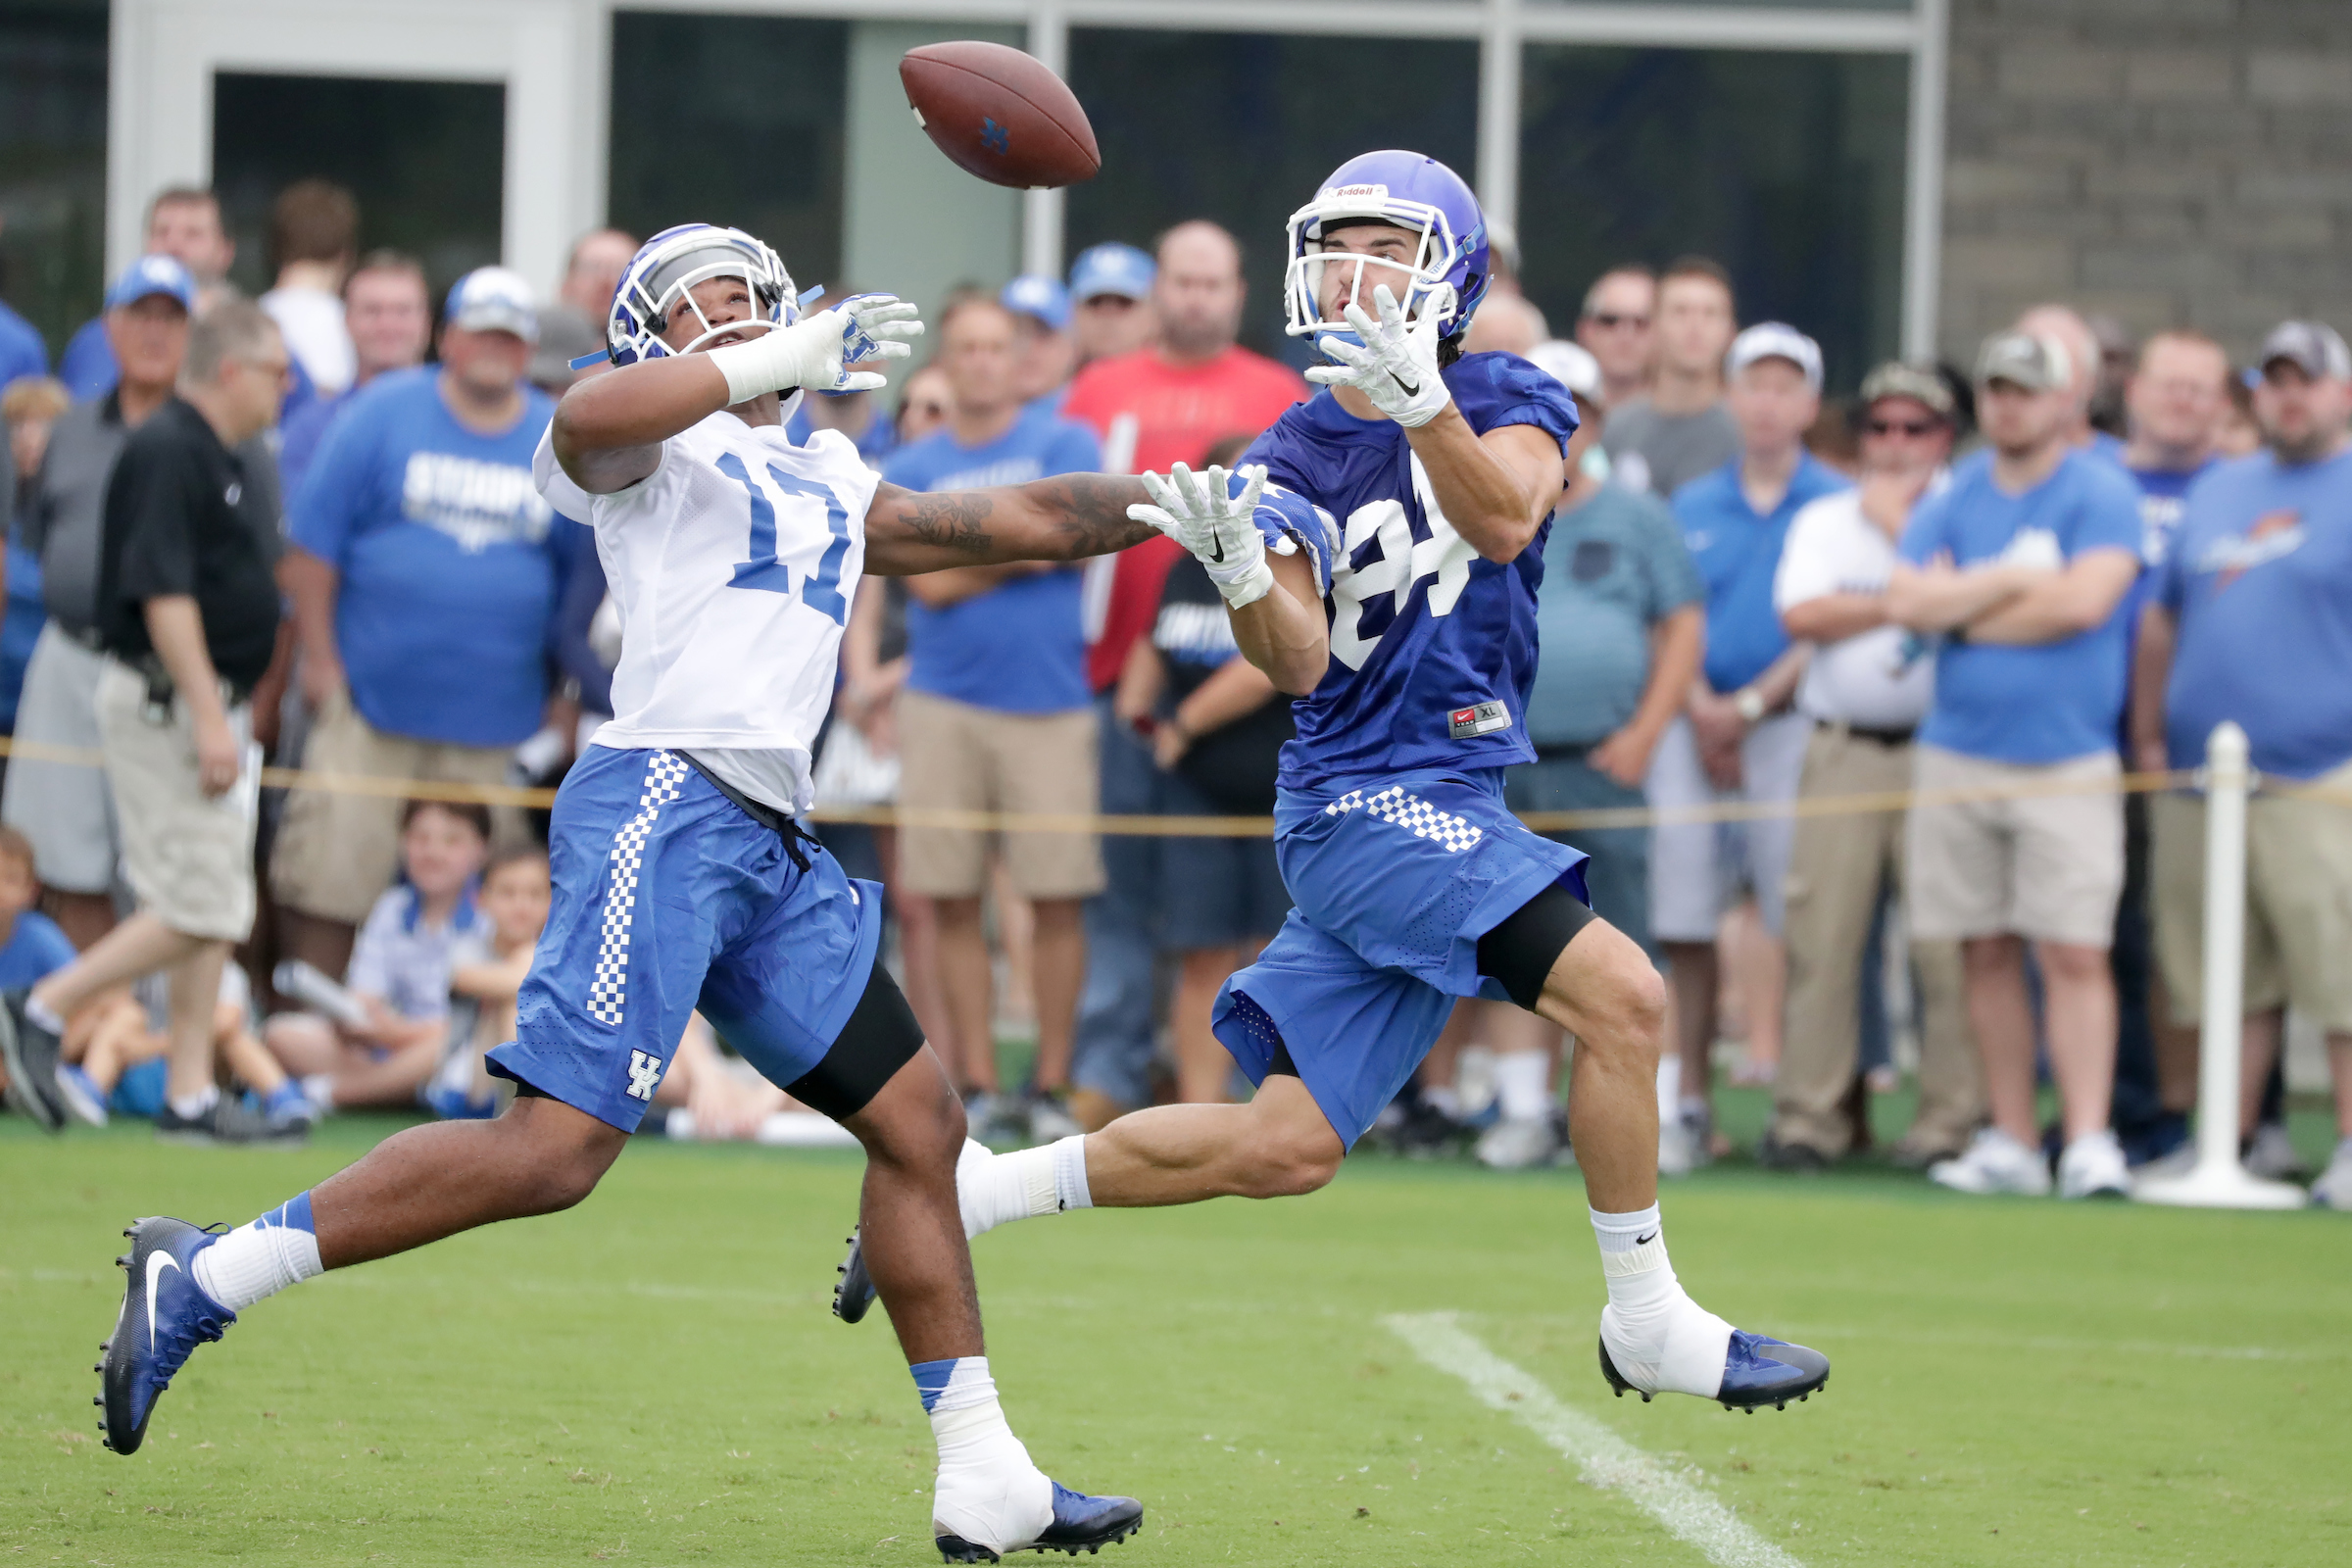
(2173, 162)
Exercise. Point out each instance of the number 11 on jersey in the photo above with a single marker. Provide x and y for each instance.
(821, 590)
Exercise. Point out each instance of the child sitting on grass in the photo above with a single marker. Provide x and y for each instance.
(113, 1058)
(486, 974)
(400, 971)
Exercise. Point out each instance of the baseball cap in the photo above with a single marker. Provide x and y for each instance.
(2311, 347)
(1895, 379)
(1774, 340)
(1113, 268)
(153, 274)
(1044, 298)
(1569, 365)
(2023, 359)
(493, 299)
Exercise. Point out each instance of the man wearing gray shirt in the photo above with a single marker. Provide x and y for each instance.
(1682, 429)
(65, 807)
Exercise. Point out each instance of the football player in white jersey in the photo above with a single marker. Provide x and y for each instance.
(682, 878)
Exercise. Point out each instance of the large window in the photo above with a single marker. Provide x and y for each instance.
(52, 161)
(1787, 168)
(424, 159)
(1262, 119)
(732, 119)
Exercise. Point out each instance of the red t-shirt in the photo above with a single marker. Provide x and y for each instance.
(1150, 414)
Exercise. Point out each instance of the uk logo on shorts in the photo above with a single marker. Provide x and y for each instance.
(609, 989)
(645, 1075)
(1410, 812)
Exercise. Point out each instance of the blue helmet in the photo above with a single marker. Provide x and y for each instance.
(667, 268)
(1452, 268)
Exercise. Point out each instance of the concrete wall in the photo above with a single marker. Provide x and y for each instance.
(2174, 162)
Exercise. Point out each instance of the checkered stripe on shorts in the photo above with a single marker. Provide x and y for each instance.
(1408, 810)
(609, 991)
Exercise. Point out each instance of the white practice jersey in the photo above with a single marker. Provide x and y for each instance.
(733, 567)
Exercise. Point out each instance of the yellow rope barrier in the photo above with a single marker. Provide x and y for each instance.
(1883, 801)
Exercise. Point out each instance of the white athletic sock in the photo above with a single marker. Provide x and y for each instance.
(318, 1089)
(995, 1189)
(42, 1014)
(1523, 1085)
(187, 1107)
(989, 1492)
(1661, 1340)
(252, 1261)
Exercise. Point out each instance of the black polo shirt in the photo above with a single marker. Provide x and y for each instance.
(184, 518)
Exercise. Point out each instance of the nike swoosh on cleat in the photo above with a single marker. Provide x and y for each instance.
(156, 1261)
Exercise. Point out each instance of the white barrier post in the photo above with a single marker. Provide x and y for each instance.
(2216, 1180)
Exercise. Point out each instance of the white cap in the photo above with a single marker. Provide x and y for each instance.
(1774, 340)
(1569, 365)
(494, 299)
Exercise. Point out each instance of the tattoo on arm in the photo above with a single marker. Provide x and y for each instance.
(951, 521)
(1088, 513)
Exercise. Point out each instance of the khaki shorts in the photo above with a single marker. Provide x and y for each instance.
(336, 853)
(2049, 867)
(2298, 902)
(187, 854)
(955, 757)
(65, 808)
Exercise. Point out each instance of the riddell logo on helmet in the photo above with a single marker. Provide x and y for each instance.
(1373, 193)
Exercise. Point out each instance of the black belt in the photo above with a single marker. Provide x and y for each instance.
(788, 828)
(1884, 737)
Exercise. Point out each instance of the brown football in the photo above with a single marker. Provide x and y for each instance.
(1000, 114)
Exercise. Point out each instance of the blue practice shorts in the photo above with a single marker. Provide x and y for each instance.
(1395, 881)
(669, 897)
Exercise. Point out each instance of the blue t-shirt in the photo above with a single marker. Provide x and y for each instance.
(1738, 550)
(1433, 647)
(449, 564)
(1613, 569)
(36, 949)
(299, 432)
(2050, 702)
(2259, 578)
(874, 443)
(25, 616)
(1019, 647)
(87, 366)
(22, 351)
(2163, 494)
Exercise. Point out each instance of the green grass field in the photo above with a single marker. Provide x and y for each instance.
(655, 1378)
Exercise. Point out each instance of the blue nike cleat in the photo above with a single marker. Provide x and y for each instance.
(1080, 1524)
(853, 1292)
(1756, 1371)
(166, 1314)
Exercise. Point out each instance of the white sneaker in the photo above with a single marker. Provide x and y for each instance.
(1994, 1163)
(2333, 1189)
(1518, 1145)
(1682, 1146)
(2092, 1166)
(2271, 1154)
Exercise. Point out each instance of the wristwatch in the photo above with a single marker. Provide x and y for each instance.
(1749, 704)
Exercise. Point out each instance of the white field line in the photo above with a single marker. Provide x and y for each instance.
(1688, 1512)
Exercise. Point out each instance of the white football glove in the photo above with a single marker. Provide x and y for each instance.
(1220, 529)
(1397, 367)
(817, 351)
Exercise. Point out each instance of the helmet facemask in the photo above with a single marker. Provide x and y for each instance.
(660, 285)
(1419, 286)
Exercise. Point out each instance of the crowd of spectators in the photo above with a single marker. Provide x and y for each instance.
(305, 527)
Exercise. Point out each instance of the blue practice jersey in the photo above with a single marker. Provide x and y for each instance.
(1433, 649)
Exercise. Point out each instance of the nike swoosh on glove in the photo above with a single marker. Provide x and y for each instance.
(1394, 363)
(816, 352)
(1218, 527)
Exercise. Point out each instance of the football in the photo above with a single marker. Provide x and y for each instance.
(1000, 114)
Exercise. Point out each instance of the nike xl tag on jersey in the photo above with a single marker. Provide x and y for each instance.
(1483, 718)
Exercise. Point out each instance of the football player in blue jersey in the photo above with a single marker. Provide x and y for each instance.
(1380, 563)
